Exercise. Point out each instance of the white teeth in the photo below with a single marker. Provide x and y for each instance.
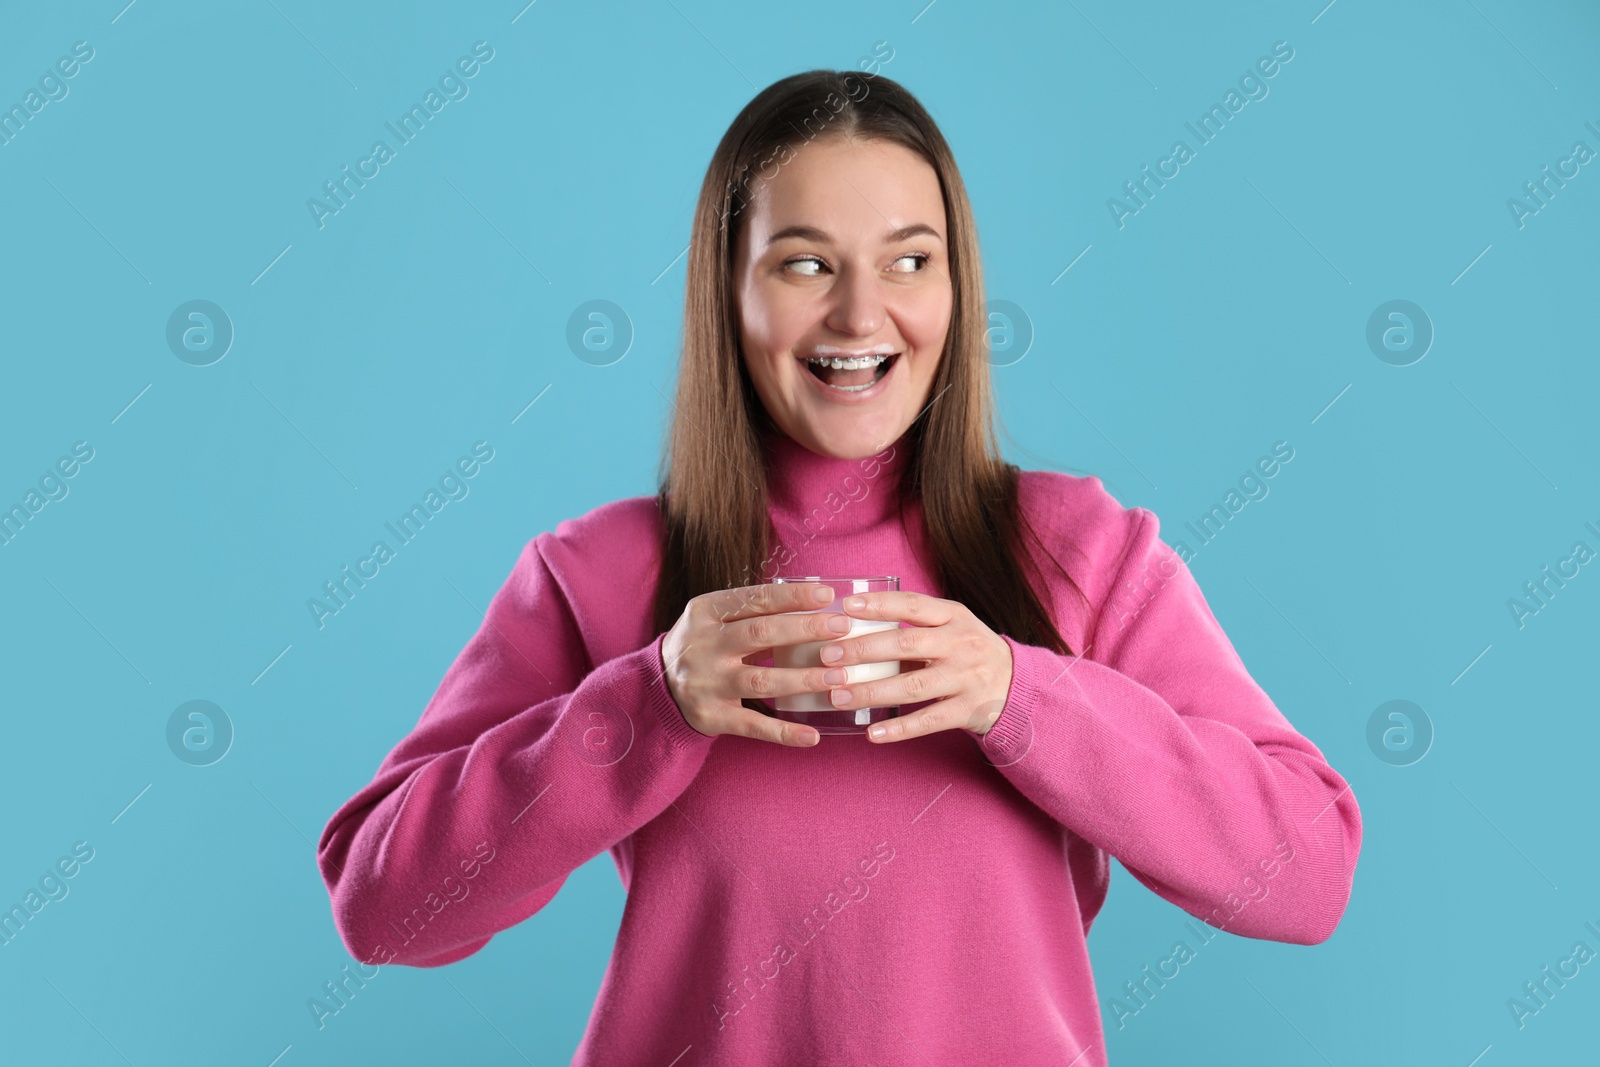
(852, 363)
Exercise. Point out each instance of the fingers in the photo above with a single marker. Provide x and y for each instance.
(908, 688)
(768, 683)
(901, 643)
(747, 601)
(919, 609)
(761, 727)
(762, 633)
(940, 715)
(923, 721)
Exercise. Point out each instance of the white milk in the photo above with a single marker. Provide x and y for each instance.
(809, 654)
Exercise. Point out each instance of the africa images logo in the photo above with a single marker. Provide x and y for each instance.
(452, 87)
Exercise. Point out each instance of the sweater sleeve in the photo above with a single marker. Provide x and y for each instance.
(527, 762)
(1164, 752)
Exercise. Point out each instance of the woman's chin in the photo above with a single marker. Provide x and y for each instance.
(850, 434)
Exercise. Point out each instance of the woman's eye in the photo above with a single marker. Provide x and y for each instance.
(921, 259)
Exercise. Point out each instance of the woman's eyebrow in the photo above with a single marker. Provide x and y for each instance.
(812, 233)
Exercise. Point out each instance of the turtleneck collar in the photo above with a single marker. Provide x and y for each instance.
(824, 495)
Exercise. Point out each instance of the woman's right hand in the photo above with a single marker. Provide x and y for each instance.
(707, 654)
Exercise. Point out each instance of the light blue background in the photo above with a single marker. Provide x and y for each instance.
(1228, 314)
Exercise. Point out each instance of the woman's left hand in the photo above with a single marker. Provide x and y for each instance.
(947, 651)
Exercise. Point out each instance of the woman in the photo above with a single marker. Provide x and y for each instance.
(921, 896)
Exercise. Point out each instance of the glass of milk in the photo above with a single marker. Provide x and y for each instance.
(815, 709)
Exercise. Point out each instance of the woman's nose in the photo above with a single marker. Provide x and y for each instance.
(858, 306)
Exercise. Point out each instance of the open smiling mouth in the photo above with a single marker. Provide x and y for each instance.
(851, 375)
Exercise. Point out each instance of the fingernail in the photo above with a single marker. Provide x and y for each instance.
(841, 696)
(877, 732)
(839, 624)
(835, 676)
(854, 603)
(831, 653)
(822, 594)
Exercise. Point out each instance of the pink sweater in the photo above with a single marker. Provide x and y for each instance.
(921, 902)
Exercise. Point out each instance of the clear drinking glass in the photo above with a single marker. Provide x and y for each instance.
(815, 709)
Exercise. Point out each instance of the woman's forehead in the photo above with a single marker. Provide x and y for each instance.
(847, 192)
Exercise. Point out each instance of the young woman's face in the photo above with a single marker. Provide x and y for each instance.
(843, 252)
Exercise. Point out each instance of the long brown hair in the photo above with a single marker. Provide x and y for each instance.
(717, 533)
